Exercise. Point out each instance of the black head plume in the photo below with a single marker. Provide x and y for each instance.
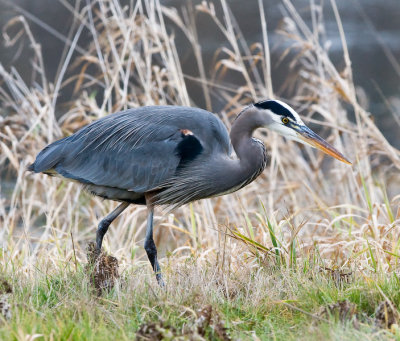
(275, 107)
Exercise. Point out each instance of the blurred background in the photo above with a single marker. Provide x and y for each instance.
(371, 27)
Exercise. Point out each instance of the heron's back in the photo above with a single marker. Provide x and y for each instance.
(136, 150)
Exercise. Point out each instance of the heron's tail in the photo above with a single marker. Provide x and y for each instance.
(47, 158)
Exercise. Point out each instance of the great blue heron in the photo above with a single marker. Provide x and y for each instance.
(170, 155)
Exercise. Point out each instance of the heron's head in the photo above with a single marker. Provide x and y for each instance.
(282, 119)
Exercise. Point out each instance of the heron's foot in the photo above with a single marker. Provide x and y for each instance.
(99, 243)
(160, 280)
(97, 251)
(151, 251)
(159, 276)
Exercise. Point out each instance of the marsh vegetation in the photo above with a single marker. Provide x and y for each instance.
(309, 250)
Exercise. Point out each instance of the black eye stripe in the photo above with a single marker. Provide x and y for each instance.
(275, 107)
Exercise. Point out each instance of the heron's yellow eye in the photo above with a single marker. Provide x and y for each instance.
(285, 120)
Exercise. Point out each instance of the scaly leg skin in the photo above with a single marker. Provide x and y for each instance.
(151, 248)
(105, 223)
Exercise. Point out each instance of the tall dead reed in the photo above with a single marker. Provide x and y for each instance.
(304, 204)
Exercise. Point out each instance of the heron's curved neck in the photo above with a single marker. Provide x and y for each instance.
(251, 153)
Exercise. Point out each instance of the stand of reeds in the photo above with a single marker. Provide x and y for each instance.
(308, 232)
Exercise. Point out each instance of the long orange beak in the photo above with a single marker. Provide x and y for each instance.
(311, 138)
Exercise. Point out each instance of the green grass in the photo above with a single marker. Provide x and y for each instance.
(269, 304)
(294, 232)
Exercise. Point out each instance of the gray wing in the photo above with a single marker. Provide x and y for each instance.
(137, 150)
(137, 168)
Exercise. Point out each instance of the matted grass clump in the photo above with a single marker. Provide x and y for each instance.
(309, 250)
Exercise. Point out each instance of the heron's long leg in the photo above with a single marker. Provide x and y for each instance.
(151, 248)
(105, 223)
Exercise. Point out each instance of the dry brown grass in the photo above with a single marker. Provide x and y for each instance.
(314, 208)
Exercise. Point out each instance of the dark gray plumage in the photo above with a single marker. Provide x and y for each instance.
(169, 155)
(124, 155)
